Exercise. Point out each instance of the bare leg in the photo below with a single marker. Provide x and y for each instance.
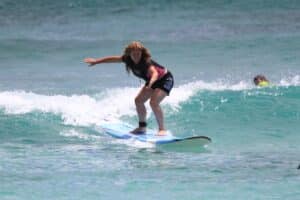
(140, 99)
(157, 96)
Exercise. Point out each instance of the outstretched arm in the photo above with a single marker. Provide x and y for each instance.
(109, 59)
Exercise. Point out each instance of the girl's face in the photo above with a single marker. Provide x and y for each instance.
(136, 55)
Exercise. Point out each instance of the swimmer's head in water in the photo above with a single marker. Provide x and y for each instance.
(261, 81)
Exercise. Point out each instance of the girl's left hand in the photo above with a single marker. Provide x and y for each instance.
(149, 87)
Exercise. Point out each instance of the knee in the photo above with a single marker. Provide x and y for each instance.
(154, 103)
(138, 101)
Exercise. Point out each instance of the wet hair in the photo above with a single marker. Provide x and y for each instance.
(135, 45)
(259, 78)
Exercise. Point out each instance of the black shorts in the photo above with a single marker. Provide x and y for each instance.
(165, 83)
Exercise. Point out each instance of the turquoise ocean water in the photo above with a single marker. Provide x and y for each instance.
(51, 103)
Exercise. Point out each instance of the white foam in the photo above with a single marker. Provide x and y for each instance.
(290, 81)
(184, 92)
(74, 133)
(112, 104)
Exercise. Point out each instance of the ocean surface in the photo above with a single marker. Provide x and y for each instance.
(52, 103)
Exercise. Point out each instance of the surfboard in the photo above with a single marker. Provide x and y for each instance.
(122, 130)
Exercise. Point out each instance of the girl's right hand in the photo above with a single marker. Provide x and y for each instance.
(90, 61)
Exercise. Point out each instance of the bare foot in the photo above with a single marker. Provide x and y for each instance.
(161, 133)
(138, 130)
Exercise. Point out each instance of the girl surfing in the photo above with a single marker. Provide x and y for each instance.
(158, 82)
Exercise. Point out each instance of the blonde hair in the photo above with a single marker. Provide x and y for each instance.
(136, 45)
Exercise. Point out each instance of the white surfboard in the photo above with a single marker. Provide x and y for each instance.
(122, 131)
